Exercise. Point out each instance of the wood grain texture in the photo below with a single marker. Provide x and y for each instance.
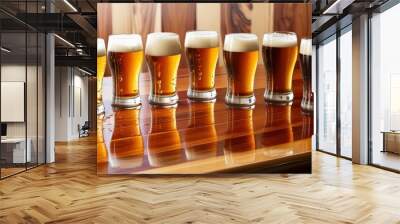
(197, 138)
(225, 18)
(145, 19)
(178, 18)
(104, 25)
(69, 191)
(208, 17)
(235, 18)
(232, 140)
(122, 15)
(294, 17)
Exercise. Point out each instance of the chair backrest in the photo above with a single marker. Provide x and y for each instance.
(86, 125)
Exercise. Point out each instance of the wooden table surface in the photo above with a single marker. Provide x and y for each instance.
(197, 138)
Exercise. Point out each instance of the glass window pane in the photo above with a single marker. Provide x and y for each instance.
(13, 87)
(31, 97)
(327, 97)
(385, 84)
(41, 98)
(346, 94)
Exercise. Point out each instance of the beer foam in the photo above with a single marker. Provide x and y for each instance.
(306, 47)
(241, 42)
(162, 44)
(277, 39)
(124, 43)
(201, 39)
(101, 47)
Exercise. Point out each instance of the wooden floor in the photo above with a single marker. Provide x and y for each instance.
(69, 191)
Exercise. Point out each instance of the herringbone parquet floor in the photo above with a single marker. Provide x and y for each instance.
(70, 192)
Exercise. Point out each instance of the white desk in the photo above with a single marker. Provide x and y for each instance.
(17, 146)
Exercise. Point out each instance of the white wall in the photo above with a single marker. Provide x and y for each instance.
(71, 94)
(15, 72)
(34, 125)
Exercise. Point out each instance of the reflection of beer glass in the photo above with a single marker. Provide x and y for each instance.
(126, 147)
(305, 61)
(200, 136)
(240, 56)
(163, 54)
(101, 67)
(202, 54)
(239, 147)
(101, 146)
(278, 125)
(307, 126)
(125, 54)
(279, 53)
(164, 145)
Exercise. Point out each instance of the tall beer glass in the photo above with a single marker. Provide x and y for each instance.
(279, 53)
(125, 55)
(101, 67)
(305, 62)
(241, 57)
(163, 54)
(202, 54)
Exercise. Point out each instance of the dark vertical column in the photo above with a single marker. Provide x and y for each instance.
(316, 97)
(338, 95)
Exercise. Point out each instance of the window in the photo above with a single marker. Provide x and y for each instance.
(326, 104)
(346, 93)
(22, 75)
(385, 88)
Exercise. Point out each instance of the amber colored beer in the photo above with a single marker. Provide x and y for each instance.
(126, 67)
(163, 74)
(241, 57)
(241, 68)
(126, 147)
(163, 54)
(202, 49)
(305, 62)
(125, 55)
(202, 63)
(102, 156)
(239, 147)
(200, 136)
(101, 67)
(164, 146)
(279, 53)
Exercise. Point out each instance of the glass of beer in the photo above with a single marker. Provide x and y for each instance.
(202, 49)
(305, 62)
(101, 67)
(163, 54)
(279, 53)
(241, 57)
(125, 55)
